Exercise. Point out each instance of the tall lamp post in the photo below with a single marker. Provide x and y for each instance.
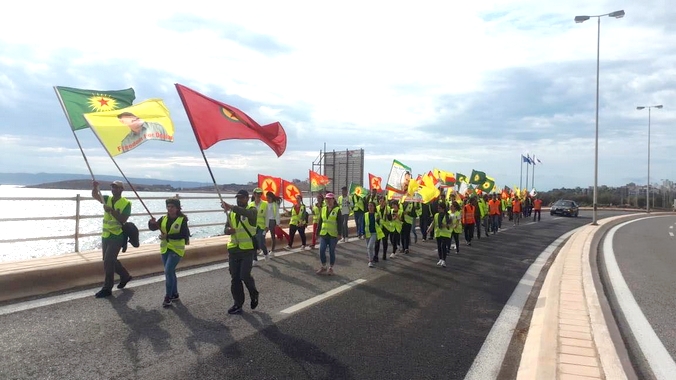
(647, 195)
(581, 19)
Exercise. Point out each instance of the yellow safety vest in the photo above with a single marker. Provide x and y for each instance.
(175, 245)
(379, 230)
(457, 221)
(261, 221)
(387, 224)
(241, 238)
(407, 213)
(397, 223)
(110, 225)
(442, 225)
(296, 219)
(330, 222)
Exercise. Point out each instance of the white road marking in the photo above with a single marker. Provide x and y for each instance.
(671, 234)
(661, 363)
(321, 297)
(488, 361)
(671, 227)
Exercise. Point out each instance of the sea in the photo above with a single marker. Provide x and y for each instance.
(23, 202)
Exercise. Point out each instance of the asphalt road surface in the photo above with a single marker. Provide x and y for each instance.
(405, 319)
(645, 252)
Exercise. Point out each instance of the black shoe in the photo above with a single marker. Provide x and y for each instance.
(384, 257)
(123, 283)
(375, 259)
(175, 297)
(166, 302)
(235, 309)
(103, 293)
(254, 302)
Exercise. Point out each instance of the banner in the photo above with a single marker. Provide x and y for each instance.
(77, 102)
(318, 181)
(213, 121)
(399, 179)
(357, 189)
(289, 192)
(270, 184)
(446, 179)
(123, 130)
(375, 183)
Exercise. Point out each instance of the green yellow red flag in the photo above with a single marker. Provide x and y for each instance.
(76, 102)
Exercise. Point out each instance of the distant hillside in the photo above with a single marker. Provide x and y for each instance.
(31, 179)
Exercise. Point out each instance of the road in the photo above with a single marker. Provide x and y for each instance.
(405, 319)
(645, 255)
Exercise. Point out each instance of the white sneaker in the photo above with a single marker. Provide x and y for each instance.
(453, 247)
(392, 255)
(271, 254)
(443, 264)
(371, 264)
(438, 262)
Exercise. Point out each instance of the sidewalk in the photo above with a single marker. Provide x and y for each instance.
(568, 337)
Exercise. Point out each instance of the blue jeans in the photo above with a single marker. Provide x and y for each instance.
(170, 260)
(260, 236)
(359, 221)
(495, 222)
(331, 242)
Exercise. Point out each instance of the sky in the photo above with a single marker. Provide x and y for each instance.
(432, 84)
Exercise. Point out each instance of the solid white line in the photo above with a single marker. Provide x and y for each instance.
(488, 361)
(321, 297)
(47, 301)
(671, 234)
(671, 227)
(661, 363)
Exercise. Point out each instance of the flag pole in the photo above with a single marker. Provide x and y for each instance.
(527, 167)
(121, 173)
(63, 107)
(521, 175)
(532, 183)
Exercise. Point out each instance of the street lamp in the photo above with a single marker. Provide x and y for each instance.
(647, 196)
(578, 20)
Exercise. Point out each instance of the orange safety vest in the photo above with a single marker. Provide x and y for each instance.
(537, 204)
(494, 207)
(468, 214)
(516, 206)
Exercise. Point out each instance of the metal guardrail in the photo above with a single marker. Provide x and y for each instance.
(77, 217)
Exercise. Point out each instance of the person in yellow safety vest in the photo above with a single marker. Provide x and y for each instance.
(417, 209)
(373, 231)
(345, 205)
(384, 213)
(456, 226)
(316, 219)
(358, 209)
(116, 212)
(328, 235)
(299, 218)
(483, 208)
(273, 219)
(396, 223)
(441, 224)
(174, 236)
(241, 226)
(261, 222)
(408, 217)
(510, 213)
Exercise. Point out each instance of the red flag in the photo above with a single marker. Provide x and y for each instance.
(375, 183)
(289, 192)
(213, 121)
(269, 183)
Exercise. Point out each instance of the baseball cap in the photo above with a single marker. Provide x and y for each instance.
(258, 190)
(118, 184)
(330, 196)
(242, 193)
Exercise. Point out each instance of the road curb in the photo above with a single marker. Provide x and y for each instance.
(568, 335)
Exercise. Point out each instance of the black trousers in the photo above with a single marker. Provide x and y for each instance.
(469, 232)
(443, 246)
(405, 235)
(111, 265)
(394, 239)
(384, 242)
(240, 264)
(292, 234)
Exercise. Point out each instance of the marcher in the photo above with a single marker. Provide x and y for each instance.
(441, 224)
(537, 208)
(373, 232)
(261, 227)
(299, 217)
(174, 236)
(456, 226)
(383, 211)
(408, 213)
(345, 210)
(468, 220)
(494, 212)
(273, 220)
(328, 236)
(396, 223)
(358, 208)
(116, 212)
(241, 226)
(516, 211)
(316, 219)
